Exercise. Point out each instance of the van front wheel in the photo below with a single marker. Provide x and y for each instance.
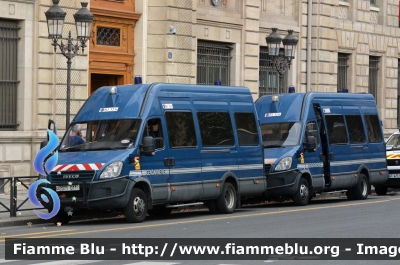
(136, 210)
(226, 203)
(302, 195)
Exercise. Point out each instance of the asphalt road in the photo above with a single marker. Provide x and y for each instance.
(376, 217)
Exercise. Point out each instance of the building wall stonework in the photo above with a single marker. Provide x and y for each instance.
(52, 69)
(170, 57)
(17, 147)
(360, 30)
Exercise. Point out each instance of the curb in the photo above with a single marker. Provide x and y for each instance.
(19, 222)
(15, 221)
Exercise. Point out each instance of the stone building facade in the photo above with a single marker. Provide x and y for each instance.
(164, 47)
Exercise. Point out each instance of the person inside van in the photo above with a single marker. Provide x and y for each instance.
(75, 137)
(154, 130)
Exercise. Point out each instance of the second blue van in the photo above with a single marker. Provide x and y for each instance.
(321, 142)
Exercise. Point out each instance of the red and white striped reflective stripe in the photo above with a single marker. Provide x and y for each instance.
(75, 167)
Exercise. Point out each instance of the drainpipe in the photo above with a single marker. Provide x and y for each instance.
(309, 42)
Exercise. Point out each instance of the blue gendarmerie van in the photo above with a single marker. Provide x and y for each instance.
(149, 148)
(321, 142)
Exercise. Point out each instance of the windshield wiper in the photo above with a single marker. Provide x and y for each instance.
(104, 148)
(73, 149)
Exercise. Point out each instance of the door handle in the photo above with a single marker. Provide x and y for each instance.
(169, 161)
(331, 156)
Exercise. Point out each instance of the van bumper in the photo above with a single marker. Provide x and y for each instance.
(100, 195)
(393, 183)
(283, 183)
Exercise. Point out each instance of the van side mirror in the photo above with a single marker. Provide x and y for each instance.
(147, 147)
(311, 143)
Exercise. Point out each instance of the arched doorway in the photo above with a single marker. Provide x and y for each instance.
(111, 55)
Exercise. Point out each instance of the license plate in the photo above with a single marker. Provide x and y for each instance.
(67, 188)
(394, 176)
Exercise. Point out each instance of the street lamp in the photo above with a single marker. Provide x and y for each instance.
(55, 17)
(282, 61)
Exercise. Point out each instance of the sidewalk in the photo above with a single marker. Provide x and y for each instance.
(24, 216)
(27, 216)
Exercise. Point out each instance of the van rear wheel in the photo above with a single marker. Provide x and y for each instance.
(136, 210)
(302, 195)
(226, 203)
(361, 190)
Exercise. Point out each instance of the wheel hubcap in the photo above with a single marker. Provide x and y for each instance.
(303, 192)
(364, 187)
(229, 198)
(138, 206)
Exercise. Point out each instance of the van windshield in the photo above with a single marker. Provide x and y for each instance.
(393, 142)
(281, 134)
(100, 135)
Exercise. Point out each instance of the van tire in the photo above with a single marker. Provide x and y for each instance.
(136, 209)
(226, 203)
(159, 210)
(61, 217)
(302, 195)
(212, 206)
(380, 190)
(361, 189)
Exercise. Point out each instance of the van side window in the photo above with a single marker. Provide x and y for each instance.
(336, 129)
(246, 129)
(154, 130)
(356, 129)
(180, 128)
(373, 128)
(215, 129)
(312, 130)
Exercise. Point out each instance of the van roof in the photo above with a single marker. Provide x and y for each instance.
(290, 106)
(130, 100)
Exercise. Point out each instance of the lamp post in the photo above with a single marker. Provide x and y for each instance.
(55, 17)
(281, 61)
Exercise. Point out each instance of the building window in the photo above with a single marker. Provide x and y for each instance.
(343, 59)
(108, 36)
(398, 92)
(8, 74)
(373, 2)
(373, 76)
(268, 75)
(213, 63)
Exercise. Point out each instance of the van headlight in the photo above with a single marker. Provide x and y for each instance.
(112, 170)
(284, 164)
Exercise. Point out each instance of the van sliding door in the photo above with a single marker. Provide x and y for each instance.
(340, 156)
(184, 158)
(218, 152)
